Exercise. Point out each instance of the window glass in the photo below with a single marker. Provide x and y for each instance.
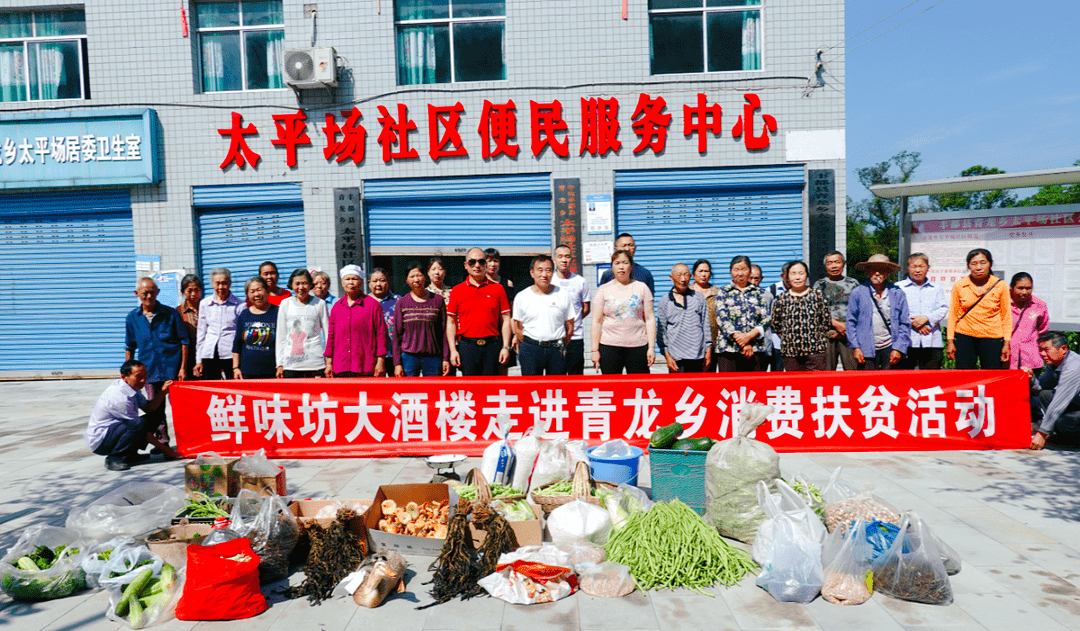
(479, 8)
(12, 73)
(57, 75)
(217, 14)
(734, 42)
(478, 49)
(421, 9)
(677, 44)
(16, 25)
(264, 59)
(423, 54)
(221, 62)
(732, 3)
(62, 22)
(675, 4)
(263, 13)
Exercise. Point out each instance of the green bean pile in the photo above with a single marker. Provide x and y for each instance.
(468, 491)
(203, 506)
(670, 546)
(563, 487)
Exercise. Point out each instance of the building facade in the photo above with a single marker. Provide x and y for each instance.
(141, 137)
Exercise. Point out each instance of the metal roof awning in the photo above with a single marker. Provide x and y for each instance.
(1069, 175)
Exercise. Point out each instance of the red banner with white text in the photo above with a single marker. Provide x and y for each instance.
(817, 411)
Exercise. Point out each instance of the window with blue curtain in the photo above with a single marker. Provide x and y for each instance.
(240, 45)
(43, 55)
(445, 41)
(687, 36)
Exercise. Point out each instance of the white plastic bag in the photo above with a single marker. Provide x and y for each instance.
(552, 465)
(605, 580)
(732, 470)
(579, 521)
(579, 452)
(127, 562)
(528, 576)
(912, 568)
(792, 571)
(837, 489)
(847, 557)
(159, 608)
(625, 502)
(525, 452)
(330, 511)
(583, 553)
(787, 503)
(497, 463)
(133, 509)
(94, 565)
(63, 578)
(209, 458)
(256, 465)
(617, 448)
(272, 529)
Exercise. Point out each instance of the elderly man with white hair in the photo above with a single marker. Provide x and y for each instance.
(356, 339)
(160, 337)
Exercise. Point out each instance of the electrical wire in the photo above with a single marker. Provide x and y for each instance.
(892, 29)
(872, 25)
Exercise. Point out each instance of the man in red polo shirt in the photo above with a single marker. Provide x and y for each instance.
(478, 322)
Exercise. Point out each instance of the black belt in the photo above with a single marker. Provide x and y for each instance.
(480, 341)
(529, 340)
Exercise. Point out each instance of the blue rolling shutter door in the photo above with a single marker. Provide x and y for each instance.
(422, 216)
(67, 277)
(241, 226)
(679, 216)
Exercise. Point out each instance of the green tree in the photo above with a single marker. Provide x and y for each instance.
(997, 198)
(872, 223)
(1053, 195)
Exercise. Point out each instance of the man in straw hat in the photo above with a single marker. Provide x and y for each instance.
(878, 324)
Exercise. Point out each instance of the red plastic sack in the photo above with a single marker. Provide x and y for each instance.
(221, 583)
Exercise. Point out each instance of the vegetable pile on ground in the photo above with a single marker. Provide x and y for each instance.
(335, 553)
(671, 546)
(460, 565)
(145, 595)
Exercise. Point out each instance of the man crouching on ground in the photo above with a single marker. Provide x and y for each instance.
(116, 430)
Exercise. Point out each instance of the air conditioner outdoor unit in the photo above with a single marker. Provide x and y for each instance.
(307, 68)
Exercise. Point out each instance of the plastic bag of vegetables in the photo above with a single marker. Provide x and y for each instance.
(146, 595)
(625, 502)
(272, 529)
(98, 557)
(732, 470)
(45, 563)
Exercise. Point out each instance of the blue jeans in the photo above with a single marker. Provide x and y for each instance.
(413, 365)
(541, 360)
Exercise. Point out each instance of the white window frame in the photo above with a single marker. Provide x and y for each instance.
(243, 30)
(451, 21)
(34, 39)
(705, 11)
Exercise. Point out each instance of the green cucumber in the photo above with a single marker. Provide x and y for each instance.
(27, 564)
(664, 437)
(693, 444)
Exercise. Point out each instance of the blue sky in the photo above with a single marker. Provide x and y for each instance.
(968, 82)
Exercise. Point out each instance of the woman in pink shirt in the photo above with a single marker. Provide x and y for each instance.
(1030, 319)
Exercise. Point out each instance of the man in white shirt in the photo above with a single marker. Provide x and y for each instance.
(116, 430)
(928, 306)
(577, 288)
(543, 322)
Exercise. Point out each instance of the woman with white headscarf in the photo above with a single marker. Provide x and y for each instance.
(356, 342)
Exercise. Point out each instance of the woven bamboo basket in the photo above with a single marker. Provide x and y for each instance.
(582, 490)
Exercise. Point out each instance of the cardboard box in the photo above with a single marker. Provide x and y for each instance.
(529, 533)
(403, 494)
(305, 511)
(171, 543)
(212, 479)
(265, 484)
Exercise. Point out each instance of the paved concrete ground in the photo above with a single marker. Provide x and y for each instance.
(1014, 518)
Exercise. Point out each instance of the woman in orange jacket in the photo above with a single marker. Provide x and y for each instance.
(980, 316)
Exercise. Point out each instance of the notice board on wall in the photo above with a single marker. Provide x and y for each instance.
(1043, 241)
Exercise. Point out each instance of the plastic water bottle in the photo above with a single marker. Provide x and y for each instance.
(221, 532)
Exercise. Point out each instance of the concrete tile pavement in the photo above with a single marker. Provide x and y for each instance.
(1014, 518)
